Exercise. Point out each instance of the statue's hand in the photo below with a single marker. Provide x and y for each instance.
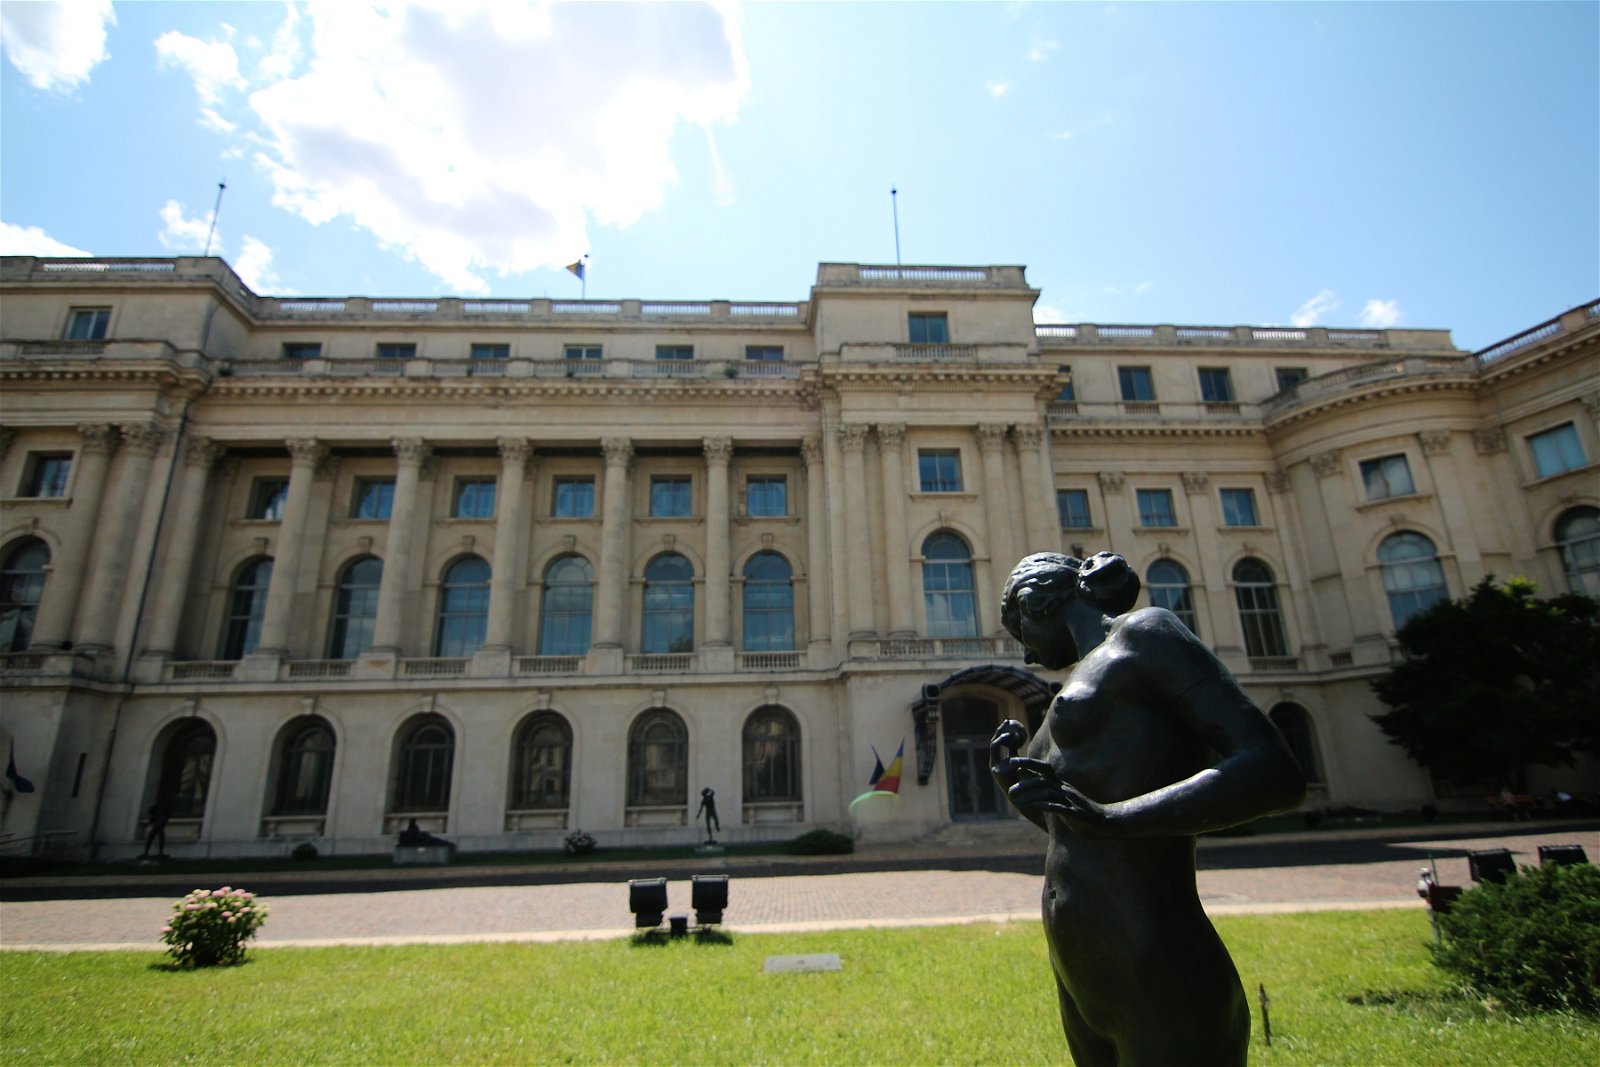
(1010, 738)
(1040, 789)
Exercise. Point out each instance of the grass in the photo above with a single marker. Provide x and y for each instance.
(1346, 988)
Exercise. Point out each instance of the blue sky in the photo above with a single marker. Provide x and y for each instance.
(1389, 164)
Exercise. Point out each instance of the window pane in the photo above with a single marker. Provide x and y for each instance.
(397, 351)
(474, 498)
(1289, 377)
(669, 496)
(543, 761)
(658, 760)
(1155, 508)
(88, 324)
(1557, 450)
(47, 476)
(771, 756)
(1216, 385)
(1072, 505)
(581, 351)
(567, 608)
(939, 472)
(1136, 383)
(948, 593)
(1412, 576)
(1168, 584)
(668, 606)
(246, 608)
(491, 351)
(1386, 477)
(267, 498)
(928, 327)
(1259, 616)
(1239, 507)
(1578, 535)
(574, 498)
(356, 609)
(674, 351)
(21, 584)
(767, 495)
(768, 604)
(374, 498)
(305, 770)
(186, 772)
(463, 608)
(302, 350)
(426, 758)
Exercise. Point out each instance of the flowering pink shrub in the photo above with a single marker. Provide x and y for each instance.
(212, 927)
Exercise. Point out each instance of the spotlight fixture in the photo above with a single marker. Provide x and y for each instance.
(710, 898)
(647, 899)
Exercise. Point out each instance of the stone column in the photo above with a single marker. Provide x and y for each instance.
(199, 457)
(1039, 517)
(1207, 589)
(1449, 489)
(108, 570)
(614, 519)
(288, 550)
(897, 553)
(853, 439)
(58, 605)
(411, 453)
(997, 502)
(718, 451)
(509, 522)
(818, 590)
(1285, 516)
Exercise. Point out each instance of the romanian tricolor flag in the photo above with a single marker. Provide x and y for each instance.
(888, 781)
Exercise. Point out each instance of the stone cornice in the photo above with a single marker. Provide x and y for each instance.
(1333, 405)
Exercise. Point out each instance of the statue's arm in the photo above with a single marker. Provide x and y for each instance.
(1010, 740)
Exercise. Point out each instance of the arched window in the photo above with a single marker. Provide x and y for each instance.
(668, 605)
(567, 608)
(947, 587)
(422, 772)
(246, 607)
(186, 770)
(1169, 588)
(355, 609)
(21, 583)
(463, 608)
(1411, 575)
(541, 768)
(305, 768)
(771, 756)
(658, 760)
(768, 604)
(1578, 536)
(1295, 726)
(1259, 616)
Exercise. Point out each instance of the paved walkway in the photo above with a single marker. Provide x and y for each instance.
(1303, 873)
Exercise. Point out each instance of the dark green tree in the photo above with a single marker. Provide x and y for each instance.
(1496, 681)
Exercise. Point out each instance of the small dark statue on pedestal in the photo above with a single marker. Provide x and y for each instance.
(708, 808)
(1150, 742)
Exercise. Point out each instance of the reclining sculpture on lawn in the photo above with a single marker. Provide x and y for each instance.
(1149, 743)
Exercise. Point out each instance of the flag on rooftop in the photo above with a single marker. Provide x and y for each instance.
(577, 268)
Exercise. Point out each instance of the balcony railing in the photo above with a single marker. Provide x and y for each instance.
(661, 662)
(441, 667)
(1274, 663)
(1082, 412)
(1366, 373)
(547, 664)
(947, 648)
(201, 670)
(1223, 336)
(320, 668)
(770, 661)
(752, 369)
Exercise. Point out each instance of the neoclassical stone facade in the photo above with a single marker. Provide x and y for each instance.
(306, 569)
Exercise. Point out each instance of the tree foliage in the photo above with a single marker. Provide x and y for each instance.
(1496, 681)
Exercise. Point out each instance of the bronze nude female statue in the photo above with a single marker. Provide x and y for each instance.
(1149, 743)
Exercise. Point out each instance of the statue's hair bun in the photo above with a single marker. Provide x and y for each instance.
(1107, 582)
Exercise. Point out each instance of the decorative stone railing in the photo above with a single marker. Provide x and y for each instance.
(661, 662)
(1067, 412)
(1367, 373)
(547, 664)
(511, 368)
(855, 275)
(947, 648)
(1231, 336)
(770, 661)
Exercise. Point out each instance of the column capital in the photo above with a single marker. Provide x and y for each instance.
(306, 450)
(1196, 481)
(1326, 464)
(97, 437)
(515, 450)
(1434, 442)
(1029, 436)
(991, 436)
(618, 451)
(1488, 441)
(853, 436)
(1111, 481)
(811, 452)
(142, 437)
(891, 435)
(202, 452)
(412, 450)
(1277, 481)
(718, 450)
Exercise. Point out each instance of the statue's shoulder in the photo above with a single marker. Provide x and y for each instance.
(1152, 624)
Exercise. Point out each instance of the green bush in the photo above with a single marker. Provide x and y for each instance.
(1532, 942)
(212, 927)
(820, 843)
(305, 851)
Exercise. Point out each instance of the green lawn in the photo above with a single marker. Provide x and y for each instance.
(1351, 987)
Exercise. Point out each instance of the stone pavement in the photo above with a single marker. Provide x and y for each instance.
(1325, 871)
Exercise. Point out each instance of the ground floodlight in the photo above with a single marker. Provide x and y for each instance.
(1491, 864)
(1563, 854)
(710, 898)
(647, 899)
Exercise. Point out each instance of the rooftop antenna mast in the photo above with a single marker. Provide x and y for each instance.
(221, 188)
(894, 203)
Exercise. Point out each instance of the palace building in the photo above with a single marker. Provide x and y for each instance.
(306, 569)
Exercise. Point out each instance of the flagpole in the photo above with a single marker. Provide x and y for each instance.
(221, 188)
(894, 203)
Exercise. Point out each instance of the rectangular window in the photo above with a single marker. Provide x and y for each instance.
(1387, 476)
(1289, 377)
(267, 497)
(1216, 385)
(1239, 508)
(939, 471)
(88, 324)
(46, 474)
(928, 328)
(397, 351)
(674, 351)
(490, 351)
(1557, 450)
(766, 495)
(302, 350)
(581, 352)
(669, 496)
(1069, 390)
(474, 499)
(1073, 507)
(574, 497)
(764, 353)
(374, 498)
(1155, 508)
(1136, 384)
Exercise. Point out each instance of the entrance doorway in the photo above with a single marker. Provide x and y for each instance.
(969, 723)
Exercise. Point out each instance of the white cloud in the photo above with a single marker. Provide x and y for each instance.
(213, 65)
(1308, 313)
(32, 241)
(1041, 49)
(1048, 313)
(998, 89)
(55, 45)
(253, 265)
(1381, 313)
(181, 233)
(486, 137)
